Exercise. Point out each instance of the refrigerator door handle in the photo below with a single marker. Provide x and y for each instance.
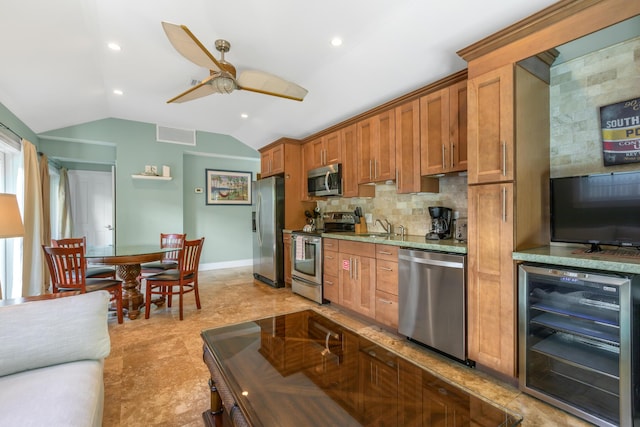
(259, 219)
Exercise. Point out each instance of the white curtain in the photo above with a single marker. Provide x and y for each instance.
(64, 200)
(33, 282)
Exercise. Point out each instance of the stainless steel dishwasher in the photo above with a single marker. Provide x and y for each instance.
(432, 300)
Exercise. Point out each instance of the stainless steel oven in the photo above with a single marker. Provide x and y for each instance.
(306, 265)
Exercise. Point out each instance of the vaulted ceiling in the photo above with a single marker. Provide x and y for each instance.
(57, 69)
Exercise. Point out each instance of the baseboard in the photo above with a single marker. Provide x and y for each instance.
(226, 264)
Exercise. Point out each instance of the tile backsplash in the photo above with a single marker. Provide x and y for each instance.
(409, 210)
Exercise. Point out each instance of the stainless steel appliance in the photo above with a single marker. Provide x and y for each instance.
(460, 230)
(306, 265)
(335, 222)
(432, 300)
(325, 181)
(307, 257)
(268, 221)
(579, 341)
(440, 223)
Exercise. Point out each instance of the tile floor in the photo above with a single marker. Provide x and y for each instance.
(155, 375)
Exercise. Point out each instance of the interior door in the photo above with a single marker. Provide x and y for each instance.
(92, 195)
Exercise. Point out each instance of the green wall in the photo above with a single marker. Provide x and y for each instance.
(145, 208)
(15, 124)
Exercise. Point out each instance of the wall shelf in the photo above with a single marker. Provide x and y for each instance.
(159, 178)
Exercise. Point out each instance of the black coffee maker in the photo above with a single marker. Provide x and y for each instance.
(440, 223)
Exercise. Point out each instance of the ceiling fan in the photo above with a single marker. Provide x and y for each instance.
(222, 78)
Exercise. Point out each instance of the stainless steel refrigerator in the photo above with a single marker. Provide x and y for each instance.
(268, 221)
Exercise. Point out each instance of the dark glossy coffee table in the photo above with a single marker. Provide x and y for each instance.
(302, 369)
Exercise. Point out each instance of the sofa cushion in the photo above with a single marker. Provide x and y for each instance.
(42, 333)
(67, 395)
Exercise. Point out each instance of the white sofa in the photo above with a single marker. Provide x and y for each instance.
(51, 361)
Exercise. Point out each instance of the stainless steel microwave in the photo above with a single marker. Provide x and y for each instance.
(325, 181)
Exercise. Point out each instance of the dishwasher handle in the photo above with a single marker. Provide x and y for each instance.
(434, 262)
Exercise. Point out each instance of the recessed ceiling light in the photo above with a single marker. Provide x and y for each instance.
(114, 46)
(336, 41)
(118, 92)
(244, 115)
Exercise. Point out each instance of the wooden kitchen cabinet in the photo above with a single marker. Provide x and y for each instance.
(272, 161)
(357, 285)
(323, 151)
(387, 285)
(286, 244)
(286, 161)
(377, 148)
(443, 130)
(505, 216)
(408, 179)
(491, 290)
(331, 272)
(491, 105)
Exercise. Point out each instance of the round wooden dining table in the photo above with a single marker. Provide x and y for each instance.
(127, 259)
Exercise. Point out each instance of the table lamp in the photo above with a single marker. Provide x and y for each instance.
(10, 220)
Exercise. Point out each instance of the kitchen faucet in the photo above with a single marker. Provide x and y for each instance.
(388, 228)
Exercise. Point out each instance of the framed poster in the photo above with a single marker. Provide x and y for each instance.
(228, 187)
(620, 124)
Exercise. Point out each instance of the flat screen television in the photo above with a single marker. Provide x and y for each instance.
(602, 209)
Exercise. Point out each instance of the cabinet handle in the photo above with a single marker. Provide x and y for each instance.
(504, 158)
(350, 268)
(375, 168)
(453, 147)
(443, 155)
(384, 301)
(384, 252)
(355, 270)
(328, 256)
(386, 268)
(397, 180)
(328, 282)
(370, 176)
(504, 204)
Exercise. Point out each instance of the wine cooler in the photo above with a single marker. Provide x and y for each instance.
(578, 342)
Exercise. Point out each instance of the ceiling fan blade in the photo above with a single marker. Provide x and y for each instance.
(268, 84)
(190, 47)
(203, 88)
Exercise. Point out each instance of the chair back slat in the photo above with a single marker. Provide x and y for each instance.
(67, 267)
(71, 242)
(190, 257)
(172, 240)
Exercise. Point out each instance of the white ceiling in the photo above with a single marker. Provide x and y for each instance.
(57, 70)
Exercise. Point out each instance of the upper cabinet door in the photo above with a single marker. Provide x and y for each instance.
(408, 147)
(458, 127)
(491, 135)
(434, 135)
(332, 147)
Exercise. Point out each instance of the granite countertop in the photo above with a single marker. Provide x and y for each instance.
(620, 261)
(410, 241)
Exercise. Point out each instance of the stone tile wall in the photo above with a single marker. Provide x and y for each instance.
(409, 210)
(577, 91)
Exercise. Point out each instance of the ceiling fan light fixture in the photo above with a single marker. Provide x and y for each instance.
(224, 84)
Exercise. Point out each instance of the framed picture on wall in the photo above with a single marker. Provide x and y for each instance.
(228, 187)
(620, 123)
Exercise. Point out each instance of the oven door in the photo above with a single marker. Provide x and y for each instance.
(306, 262)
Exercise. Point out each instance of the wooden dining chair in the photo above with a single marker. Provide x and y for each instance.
(169, 259)
(91, 272)
(185, 278)
(67, 266)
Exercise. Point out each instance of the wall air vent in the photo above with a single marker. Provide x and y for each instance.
(175, 136)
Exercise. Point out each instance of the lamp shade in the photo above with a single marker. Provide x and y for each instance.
(10, 220)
